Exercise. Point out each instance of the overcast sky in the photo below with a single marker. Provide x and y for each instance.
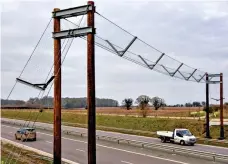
(195, 33)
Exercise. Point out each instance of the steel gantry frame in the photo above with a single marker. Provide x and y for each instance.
(57, 35)
(208, 81)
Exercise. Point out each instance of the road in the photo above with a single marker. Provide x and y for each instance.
(75, 149)
(215, 149)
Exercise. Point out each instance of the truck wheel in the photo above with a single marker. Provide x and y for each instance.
(163, 139)
(182, 142)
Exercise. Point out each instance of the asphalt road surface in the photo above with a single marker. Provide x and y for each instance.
(75, 149)
(208, 148)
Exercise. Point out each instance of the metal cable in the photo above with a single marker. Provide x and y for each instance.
(40, 91)
(49, 89)
(134, 61)
(25, 67)
(30, 57)
(137, 56)
(142, 40)
(28, 62)
(52, 83)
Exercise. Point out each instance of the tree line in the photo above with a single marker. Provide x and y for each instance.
(66, 102)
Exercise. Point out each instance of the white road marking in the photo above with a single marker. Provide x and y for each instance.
(10, 132)
(127, 151)
(80, 150)
(48, 142)
(126, 162)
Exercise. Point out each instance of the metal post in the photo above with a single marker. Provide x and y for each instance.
(57, 94)
(221, 108)
(207, 108)
(91, 89)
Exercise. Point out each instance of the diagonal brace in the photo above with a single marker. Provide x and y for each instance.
(158, 60)
(191, 74)
(203, 77)
(40, 86)
(172, 74)
(121, 53)
(195, 78)
(186, 78)
(149, 66)
(198, 80)
(166, 70)
(29, 84)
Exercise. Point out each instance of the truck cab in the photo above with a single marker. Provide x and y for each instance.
(183, 136)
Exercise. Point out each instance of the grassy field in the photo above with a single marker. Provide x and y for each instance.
(166, 111)
(112, 123)
(12, 154)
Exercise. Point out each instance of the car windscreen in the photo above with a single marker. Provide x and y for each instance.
(30, 130)
(185, 132)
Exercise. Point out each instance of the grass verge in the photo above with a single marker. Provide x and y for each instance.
(13, 154)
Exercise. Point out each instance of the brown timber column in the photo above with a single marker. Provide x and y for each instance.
(91, 89)
(207, 107)
(57, 94)
(221, 107)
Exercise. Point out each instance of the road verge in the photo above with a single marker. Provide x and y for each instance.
(36, 151)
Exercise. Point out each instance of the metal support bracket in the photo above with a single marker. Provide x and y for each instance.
(121, 53)
(166, 70)
(213, 75)
(151, 66)
(73, 33)
(72, 12)
(203, 77)
(173, 73)
(41, 86)
(191, 74)
(186, 78)
(198, 80)
(213, 82)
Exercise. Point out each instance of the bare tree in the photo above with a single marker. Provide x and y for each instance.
(127, 102)
(157, 102)
(143, 103)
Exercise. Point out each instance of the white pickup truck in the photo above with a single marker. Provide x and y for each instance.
(181, 136)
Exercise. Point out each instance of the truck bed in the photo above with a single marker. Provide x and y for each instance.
(165, 133)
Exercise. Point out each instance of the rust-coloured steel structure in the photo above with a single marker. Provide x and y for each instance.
(57, 94)
(91, 102)
(207, 108)
(221, 107)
